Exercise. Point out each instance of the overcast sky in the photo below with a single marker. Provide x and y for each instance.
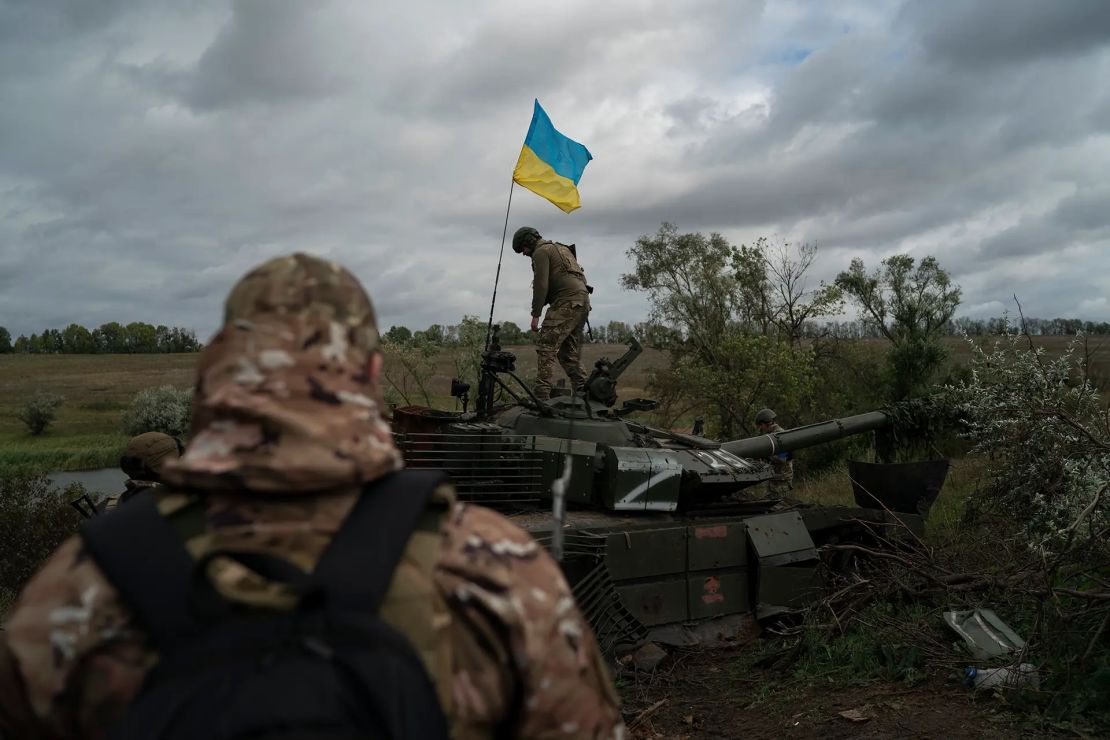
(151, 152)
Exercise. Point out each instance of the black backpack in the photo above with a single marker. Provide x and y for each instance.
(328, 670)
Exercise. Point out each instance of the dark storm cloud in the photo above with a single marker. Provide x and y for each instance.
(270, 51)
(150, 153)
(966, 34)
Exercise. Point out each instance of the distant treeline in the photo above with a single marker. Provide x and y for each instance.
(976, 327)
(656, 335)
(111, 338)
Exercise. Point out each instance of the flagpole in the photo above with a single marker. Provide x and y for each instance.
(497, 277)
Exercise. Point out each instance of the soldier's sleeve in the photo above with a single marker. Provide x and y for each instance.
(507, 589)
(71, 661)
(541, 274)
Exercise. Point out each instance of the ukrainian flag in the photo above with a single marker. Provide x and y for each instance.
(550, 164)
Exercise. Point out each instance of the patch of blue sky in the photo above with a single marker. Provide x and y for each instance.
(787, 57)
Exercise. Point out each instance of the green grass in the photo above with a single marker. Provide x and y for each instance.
(97, 388)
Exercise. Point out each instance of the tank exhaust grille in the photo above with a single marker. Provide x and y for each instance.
(489, 468)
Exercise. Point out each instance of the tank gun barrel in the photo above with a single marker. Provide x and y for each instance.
(798, 438)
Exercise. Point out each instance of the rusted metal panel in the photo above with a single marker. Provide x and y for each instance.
(713, 594)
(657, 602)
(715, 545)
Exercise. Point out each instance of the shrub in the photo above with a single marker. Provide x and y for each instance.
(39, 411)
(164, 409)
(34, 520)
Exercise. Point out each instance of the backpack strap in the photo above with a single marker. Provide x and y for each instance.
(143, 557)
(357, 566)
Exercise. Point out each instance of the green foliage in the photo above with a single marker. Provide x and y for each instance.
(110, 338)
(398, 335)
(1043, 426)
(466, 352)
(34, 520)
(433, 335)
(735, 317)
(512, 334)
(408, 370)
(162, 409)
(910, 306)
(5, 341)
(39, 411)
(76, 339)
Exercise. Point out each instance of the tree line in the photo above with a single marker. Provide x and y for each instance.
(653, 334)
(110, 338)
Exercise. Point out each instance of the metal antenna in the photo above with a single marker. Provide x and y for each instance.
(497, 277)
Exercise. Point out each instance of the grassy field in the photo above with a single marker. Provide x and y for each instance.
(97, 388)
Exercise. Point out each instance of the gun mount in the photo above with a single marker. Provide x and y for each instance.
(662, 526)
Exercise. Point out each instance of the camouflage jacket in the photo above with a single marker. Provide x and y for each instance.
(509, 651)
(556, 276)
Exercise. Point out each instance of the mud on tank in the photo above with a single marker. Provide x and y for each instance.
(662, 530)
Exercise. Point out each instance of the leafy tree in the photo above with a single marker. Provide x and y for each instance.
(141, 338)
(34, 344)
(618, 332)
(791, 304)
(434, 334)
(76, 339)
(159, 409)
(399, 334)
(39, 411)
(470, 340)
(910, 306)
(512, 334)
(408, 370)
(722, 306)
(22, 345)
(5, 341)
(652, 334)
(110, 338)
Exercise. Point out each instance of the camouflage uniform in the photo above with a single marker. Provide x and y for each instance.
(783, 481)
(142, 460)
(560, 283)
(286, 432)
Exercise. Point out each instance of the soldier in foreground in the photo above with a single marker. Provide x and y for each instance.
(142, 461)
(287, 453)
(559, 282)
(783, 482)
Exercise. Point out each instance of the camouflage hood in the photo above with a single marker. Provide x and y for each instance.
(284, 402)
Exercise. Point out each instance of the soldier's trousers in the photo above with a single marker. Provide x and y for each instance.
(561, 338)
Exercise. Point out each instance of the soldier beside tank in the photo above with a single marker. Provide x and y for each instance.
(783, 482)
(558, 282)
(142, 461)
(289, 473)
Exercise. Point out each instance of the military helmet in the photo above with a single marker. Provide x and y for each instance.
(524, 237)
(145, 454)
(764, 416)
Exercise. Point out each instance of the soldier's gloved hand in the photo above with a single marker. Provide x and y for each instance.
(535, 323)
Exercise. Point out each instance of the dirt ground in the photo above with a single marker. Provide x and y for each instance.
(700, 693)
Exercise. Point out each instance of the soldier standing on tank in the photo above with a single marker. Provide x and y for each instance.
(558, 282)
(783, 480)
(142, 461)
(286, 438)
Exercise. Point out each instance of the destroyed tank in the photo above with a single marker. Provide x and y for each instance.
(656, 530)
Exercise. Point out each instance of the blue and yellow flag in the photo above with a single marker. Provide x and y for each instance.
(550, 164)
